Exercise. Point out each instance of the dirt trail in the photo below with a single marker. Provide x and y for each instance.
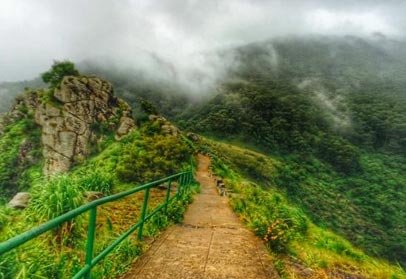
(210, 243)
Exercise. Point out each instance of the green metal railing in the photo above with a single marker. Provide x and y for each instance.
(184, 180)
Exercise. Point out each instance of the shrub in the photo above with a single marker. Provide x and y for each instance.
(58, 71)
(266, 212)
(152, 158)
(56, 197)
(97, 181)
(270, 217)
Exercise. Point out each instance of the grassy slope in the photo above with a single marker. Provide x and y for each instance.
(300, 247)
(349, 178)
(59, 254)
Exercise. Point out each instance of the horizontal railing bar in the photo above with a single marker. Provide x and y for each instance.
(156, 209)
(101, 255)
(107, 250)
(28, 235)
(82, 272)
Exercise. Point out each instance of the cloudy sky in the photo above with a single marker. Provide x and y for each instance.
(34, 33)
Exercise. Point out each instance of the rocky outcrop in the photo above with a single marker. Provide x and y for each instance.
(193, 137)
(125, 126)
(20, 200)
(23, 105)
(167, 128)
(72, 117)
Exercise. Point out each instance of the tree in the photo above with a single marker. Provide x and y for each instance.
(147, 106)
(58, 71)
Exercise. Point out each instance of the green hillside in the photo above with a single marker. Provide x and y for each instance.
(333, 111)
(309, 135)
(300, 247)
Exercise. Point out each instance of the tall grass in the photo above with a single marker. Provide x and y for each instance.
(59, 254)
(98, 181)
(55, 197)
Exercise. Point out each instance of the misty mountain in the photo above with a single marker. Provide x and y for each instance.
(329, 109)
(9, 90)
(333, 107)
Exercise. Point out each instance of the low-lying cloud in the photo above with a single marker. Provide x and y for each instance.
(171, 39)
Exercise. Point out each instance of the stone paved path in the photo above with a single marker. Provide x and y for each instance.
(210, 243)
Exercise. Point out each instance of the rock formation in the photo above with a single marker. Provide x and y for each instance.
(73, 115)
(20, 200)
(167, 128)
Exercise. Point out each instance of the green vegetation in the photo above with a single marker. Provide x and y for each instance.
(19, 145)
(326, 118)
(58, 71)
(152, 158)
(295, 241)
(59, 254)
(361, 207)
(334, 122)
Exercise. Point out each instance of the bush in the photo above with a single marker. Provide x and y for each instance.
(270, 216)
(58, 71)
(56, 197)
(152, 158)
(97, 181)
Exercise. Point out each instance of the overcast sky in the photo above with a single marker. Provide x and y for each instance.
(35, 32)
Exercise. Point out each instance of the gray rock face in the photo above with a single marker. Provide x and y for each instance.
(20, 200)
(125, 126)
(167, 128)
(80, 104)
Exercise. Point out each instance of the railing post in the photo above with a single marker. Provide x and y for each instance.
(187, 183)
(168, 194)
(91, 230)
(143, 212)
(180, 186)
(190, 179)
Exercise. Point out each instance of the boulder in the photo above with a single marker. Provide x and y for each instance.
(20, 200)
(167, 128)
